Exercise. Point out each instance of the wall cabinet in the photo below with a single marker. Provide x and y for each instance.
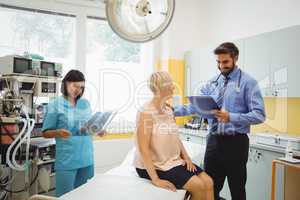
(257, 60)
(201, 66)
(241, 46)
(285, 62)
(271, 58)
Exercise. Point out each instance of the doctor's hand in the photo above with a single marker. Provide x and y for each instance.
(222, 115)
(63, 133)
(164, 184)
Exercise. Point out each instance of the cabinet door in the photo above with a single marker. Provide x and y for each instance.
(241, 46)
(257, 176)
(190, 138)
(285, 63)
(200, 67)
(259, 169)
(257, 60)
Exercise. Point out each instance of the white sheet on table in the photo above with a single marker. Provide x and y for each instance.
(123, 183)
(110, 187)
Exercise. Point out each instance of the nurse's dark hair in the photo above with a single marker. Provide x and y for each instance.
(227, 48)
(72, 76)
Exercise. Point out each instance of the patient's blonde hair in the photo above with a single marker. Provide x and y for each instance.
(159, 80)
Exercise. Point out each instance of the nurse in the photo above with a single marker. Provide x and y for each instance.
(64, 118)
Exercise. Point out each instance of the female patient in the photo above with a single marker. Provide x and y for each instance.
(161, 156)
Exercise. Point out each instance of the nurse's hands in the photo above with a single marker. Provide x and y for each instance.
(63, 133)
(164, 184)
(101, 134)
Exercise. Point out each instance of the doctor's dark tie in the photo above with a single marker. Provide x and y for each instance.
(220, 99)
(218, 127)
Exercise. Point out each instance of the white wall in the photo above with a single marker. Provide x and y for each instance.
(186, 30)
(110, 153)
(184, 33)
(199, 23)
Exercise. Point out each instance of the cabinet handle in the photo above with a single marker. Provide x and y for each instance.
(258, 156)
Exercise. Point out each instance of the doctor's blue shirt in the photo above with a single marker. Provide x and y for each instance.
(76, 151)
(242, 99)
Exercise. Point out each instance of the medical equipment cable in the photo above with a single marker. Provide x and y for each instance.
(8, 161)
(29, 124)
(7, 85)
(29, 130)
(215, 82)
(7, 181)
(4, 196)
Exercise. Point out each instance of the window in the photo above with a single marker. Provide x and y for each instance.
(112, 47)
(117, 72)
(48, 35)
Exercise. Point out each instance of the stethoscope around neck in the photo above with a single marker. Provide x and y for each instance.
(238, 85)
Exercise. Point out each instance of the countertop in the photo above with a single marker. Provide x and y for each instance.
(252, 137)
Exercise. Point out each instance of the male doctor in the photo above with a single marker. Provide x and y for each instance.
(241, 103)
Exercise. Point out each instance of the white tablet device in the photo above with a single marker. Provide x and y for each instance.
(204, 105)
(99, 122)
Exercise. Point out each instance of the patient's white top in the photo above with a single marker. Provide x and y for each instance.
(165, 145)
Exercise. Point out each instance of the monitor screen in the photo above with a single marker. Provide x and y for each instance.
(48, 87)
(22, 66)
(47, 69)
